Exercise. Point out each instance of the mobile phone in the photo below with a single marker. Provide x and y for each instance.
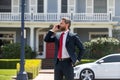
(58, 26)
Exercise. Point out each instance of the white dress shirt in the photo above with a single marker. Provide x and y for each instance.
(64, 50)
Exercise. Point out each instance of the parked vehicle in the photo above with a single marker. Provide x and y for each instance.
(107, 67)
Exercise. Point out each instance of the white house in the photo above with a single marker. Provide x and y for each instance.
(90, 19)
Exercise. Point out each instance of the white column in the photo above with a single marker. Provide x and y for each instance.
(110, 32)
(45, 6)
(32, 38)
(59, 6)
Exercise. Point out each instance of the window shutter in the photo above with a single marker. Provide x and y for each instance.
(89, 6)
(15, 6)
(33, 6)
(71, 2)
(111, 4)
(71, 6)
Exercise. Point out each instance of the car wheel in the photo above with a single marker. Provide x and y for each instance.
(87, 74)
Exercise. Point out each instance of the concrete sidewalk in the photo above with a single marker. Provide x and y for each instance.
(45, 74)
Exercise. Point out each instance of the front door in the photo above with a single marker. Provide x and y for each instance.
(40, 44)
(44, 50)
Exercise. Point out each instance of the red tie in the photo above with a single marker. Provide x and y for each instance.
(60, 46)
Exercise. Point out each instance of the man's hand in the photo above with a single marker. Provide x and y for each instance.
(77, 61)
(55, 28)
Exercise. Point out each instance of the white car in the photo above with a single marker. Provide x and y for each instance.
(107, 67)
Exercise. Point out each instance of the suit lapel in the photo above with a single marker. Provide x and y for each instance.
(68, 38)
(58, 36)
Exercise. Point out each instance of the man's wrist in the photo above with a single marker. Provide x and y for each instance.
(52, 30)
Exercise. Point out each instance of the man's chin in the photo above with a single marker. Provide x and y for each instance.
(62, 29)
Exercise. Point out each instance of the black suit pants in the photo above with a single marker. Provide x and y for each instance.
(64, 69)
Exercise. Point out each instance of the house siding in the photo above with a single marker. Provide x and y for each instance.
(80, 6)
(18, 36)
(84, 33)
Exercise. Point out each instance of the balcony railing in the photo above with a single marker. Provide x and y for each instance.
(48, 17)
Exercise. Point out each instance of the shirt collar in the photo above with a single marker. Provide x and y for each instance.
(66, 31)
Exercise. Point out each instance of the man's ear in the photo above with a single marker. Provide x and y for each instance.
(67, 25)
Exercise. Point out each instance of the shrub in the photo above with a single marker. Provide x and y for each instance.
(99, 47)
(32, 67)
(13, 51)
(8, 63)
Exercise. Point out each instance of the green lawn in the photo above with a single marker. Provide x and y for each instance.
(6, 74)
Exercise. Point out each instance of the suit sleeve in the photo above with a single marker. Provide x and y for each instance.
(81, 48)
(50, 37)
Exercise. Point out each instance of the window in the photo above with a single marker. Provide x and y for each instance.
(100, 6)
(64, 6)
(112, 59)
(26, 6)
(5, 5)
(6, 37)
(93, 35)
(40, 6)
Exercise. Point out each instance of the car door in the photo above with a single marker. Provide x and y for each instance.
(109, 67)
(113, 64)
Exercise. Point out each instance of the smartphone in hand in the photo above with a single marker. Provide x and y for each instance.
(58, 26)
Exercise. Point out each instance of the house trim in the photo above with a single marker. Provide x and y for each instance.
(37, 44)
(59, 6)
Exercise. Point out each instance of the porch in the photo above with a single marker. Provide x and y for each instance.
(55, 17)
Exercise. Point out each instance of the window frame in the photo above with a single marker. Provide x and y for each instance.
(97, 33)
(8, 32)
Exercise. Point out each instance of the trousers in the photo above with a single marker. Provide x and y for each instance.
(63, 69)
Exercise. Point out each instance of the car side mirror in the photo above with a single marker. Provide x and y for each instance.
(101, 61)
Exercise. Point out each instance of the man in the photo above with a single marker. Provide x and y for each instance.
(65, 46)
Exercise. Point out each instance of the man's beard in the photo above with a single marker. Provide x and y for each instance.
(62, 28)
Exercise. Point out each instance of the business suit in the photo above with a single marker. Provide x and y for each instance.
(72, 41)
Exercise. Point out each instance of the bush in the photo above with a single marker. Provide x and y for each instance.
(99, 47)
(8, 63)
(13, 51)
(32, 67)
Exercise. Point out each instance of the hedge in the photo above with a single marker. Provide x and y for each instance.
(32, 68)
(8, 63)
(99, 47)
(13, 51)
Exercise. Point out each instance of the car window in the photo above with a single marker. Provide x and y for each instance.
(115, 58)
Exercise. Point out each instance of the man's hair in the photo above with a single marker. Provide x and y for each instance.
(67, 21)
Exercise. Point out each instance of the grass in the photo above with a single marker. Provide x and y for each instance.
(6, 74)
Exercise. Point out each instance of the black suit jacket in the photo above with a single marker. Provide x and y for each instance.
(72, 41)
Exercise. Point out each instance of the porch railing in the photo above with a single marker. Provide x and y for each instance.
(46, 17)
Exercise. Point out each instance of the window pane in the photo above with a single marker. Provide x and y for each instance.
(100, 6)
(6, 35)
(64, 6)
(26, 6)
(40, 6)
(98, 35)
(6, 38)
(5, 5)
(112, 59)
